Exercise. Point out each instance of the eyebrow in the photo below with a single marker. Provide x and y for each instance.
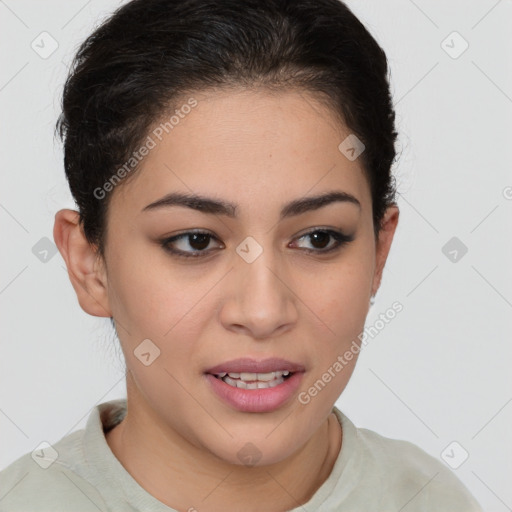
(219, 207)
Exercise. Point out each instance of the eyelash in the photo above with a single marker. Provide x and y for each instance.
(341, 239)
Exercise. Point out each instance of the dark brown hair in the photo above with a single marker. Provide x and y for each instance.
(132, 70)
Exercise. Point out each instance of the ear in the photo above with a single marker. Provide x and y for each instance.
(85, 266)
(383, 245)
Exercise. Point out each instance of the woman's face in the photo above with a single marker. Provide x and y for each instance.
(258, 287)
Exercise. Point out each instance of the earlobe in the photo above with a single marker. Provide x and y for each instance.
(383, 245)
(86, 268)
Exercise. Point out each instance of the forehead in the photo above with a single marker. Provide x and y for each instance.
(245, 144)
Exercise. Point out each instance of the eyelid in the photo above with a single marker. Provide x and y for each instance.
(183, 235)
(341, 239)
(339, 236)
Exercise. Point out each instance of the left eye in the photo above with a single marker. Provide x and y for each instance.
(199, 241)
(321, 237)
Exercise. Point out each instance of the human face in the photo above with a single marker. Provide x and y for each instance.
(259, 152)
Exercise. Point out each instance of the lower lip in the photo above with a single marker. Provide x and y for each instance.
(256, 400)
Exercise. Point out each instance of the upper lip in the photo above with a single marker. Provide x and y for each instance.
(248, 365)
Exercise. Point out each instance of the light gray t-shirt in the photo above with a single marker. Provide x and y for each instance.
(371, 474)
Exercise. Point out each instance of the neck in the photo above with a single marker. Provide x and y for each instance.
(185, 477)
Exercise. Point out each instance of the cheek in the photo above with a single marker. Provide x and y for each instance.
(341, 299)
(168, 309)
(148, 299)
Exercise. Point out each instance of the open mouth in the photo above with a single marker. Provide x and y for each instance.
(249, 385)
(246, 380)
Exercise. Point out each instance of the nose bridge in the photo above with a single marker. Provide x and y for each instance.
(261, 302)
(257, 271)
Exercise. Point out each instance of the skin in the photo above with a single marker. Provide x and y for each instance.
(179, 440)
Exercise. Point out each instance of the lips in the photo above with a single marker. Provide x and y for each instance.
(247, 365)
(249, 385)
(255, 397)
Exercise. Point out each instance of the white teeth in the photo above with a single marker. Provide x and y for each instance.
(262, 377)
(266, 377)
(255, 384)
(248, 380)
(276, 382)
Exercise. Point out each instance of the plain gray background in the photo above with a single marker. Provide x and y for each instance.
(437, 373)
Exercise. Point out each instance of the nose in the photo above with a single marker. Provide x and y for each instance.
(260, 300)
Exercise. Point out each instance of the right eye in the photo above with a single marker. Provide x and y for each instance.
(197, 240)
